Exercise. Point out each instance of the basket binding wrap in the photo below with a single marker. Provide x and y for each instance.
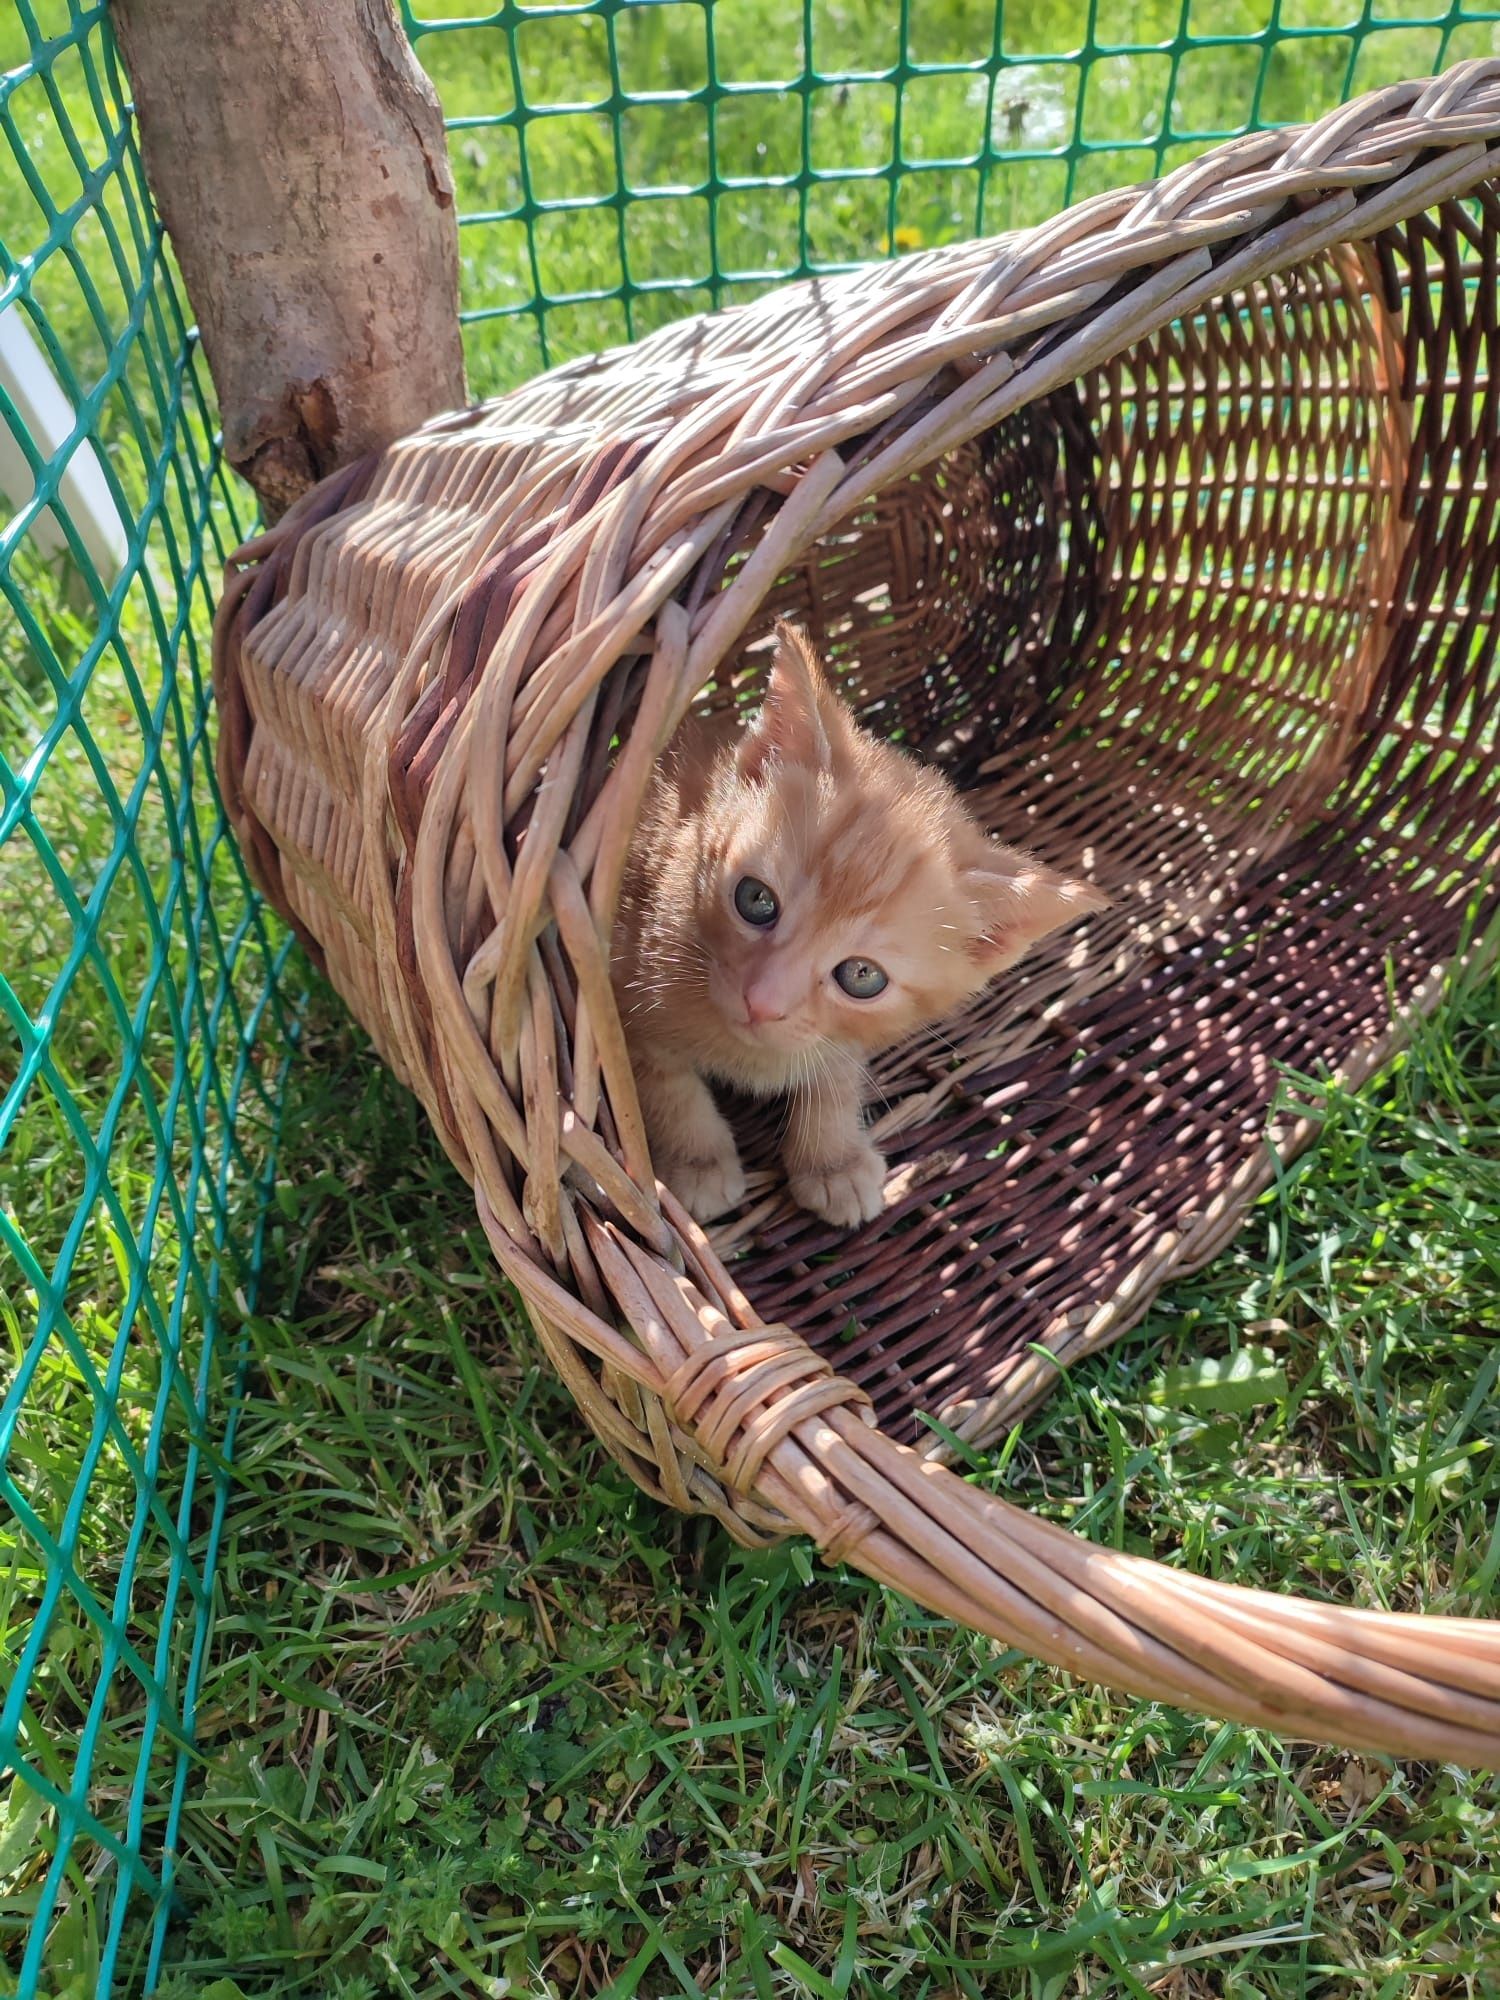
(1170, 529)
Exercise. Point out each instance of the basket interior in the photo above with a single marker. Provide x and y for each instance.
(1211, 624)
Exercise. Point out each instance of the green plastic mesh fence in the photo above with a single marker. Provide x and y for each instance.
(140, 1032)
(617, 165)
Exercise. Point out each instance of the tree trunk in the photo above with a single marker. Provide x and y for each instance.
(297, 156)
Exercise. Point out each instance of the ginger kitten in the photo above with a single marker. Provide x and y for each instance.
(799, 896)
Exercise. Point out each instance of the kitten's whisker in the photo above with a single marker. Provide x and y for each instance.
(795, 1085)
(932, 1034)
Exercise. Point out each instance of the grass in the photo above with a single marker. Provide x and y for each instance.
(480, 1711)
(475, 1710)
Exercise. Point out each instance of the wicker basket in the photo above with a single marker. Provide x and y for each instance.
(1170, 529)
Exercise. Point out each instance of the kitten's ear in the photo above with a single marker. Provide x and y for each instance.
(1019, 902)
(798, 716)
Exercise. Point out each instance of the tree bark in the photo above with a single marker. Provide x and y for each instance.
(296, 153)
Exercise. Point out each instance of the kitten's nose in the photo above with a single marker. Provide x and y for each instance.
(761, 1006)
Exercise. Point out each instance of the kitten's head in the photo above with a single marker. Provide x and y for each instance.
(846, 895)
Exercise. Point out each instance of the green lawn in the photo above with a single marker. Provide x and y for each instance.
(477, 1708)
(474, 1710)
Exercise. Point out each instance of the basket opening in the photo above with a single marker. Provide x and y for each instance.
(1149, 624)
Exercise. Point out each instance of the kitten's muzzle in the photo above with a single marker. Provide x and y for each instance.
(774, 988)
(762, 1005)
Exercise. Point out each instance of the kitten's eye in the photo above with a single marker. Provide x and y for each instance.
(861, 978)
(756, 903)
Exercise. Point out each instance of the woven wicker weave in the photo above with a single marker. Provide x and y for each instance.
(1170, 529)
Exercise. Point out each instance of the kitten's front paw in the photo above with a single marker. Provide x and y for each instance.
(710, 1187)
(844, 1195)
